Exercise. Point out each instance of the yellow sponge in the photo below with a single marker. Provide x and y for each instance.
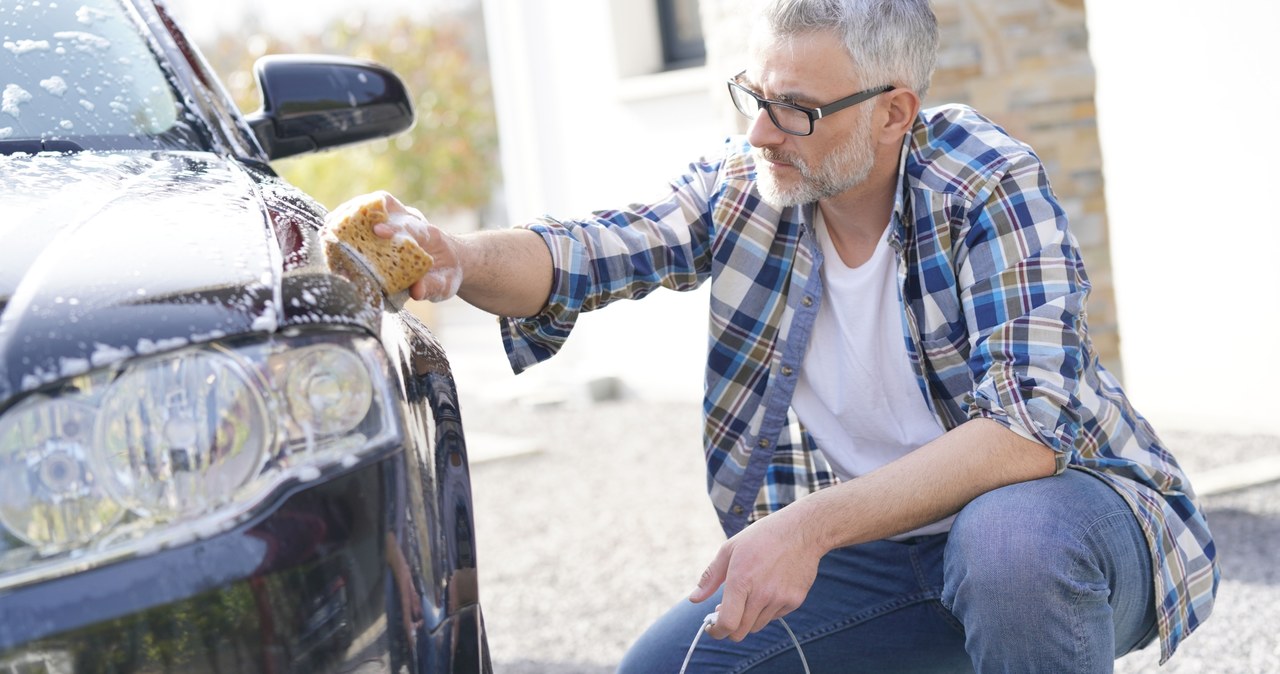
(397, 262)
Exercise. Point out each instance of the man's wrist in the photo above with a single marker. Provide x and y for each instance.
(809, 518)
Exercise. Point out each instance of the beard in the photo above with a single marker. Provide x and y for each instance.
(846, 166)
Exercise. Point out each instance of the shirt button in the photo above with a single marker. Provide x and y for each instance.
(786, 371)
(737, 510)
(807, 301)
(764, 443)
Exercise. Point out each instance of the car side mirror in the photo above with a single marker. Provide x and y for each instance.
(315, 102)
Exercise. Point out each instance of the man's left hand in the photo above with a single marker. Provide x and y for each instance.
(767, 570)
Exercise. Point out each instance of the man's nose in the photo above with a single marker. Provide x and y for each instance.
(762, 132)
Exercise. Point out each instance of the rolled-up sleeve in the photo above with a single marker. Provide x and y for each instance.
(614, 255)
(1024, 288)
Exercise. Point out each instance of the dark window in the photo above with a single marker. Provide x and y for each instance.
(682, 44)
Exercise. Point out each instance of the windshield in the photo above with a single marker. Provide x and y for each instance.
(77, 74)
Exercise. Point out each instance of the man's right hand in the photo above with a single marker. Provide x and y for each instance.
(507, 272)
(445, 276)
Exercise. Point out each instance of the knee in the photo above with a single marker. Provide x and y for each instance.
(1022, 576)
(662, 647)
(1006, 545)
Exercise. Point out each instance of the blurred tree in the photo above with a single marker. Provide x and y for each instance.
(447, 163)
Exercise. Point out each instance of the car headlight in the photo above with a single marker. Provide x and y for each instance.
(328, 391)
(179, 435)
(110, 463)
(51, 497)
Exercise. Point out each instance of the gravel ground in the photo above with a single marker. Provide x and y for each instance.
(588, 538)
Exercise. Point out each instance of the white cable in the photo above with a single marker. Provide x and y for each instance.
(796, 641)
(710, 620)
(706, 622)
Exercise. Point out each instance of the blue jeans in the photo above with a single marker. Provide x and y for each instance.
(1051, 575)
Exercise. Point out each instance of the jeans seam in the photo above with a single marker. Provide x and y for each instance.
(943, 611)
(833, 627)
(1086, 533)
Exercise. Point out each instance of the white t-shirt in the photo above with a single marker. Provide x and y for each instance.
(857, 394)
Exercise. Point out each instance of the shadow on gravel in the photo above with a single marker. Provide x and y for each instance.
(1246, 544)
(535, 667)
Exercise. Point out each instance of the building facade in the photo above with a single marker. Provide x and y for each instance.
(591, 117)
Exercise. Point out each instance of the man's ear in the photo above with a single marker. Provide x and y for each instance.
(901, 106)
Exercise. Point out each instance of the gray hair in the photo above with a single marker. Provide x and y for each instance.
(890, 41)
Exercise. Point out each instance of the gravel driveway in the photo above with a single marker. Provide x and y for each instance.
(593, 534)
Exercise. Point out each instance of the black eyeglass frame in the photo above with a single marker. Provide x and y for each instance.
(813, 114)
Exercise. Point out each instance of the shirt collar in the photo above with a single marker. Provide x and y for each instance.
(897, 223)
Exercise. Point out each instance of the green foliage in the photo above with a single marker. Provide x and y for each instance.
(447, 162)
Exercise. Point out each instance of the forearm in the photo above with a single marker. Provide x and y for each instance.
(505, 272)
(930, 483)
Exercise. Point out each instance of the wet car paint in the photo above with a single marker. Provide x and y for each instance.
(308, 586)
(162, 248)
(108, 257)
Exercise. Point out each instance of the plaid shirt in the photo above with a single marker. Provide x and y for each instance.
(993, 297)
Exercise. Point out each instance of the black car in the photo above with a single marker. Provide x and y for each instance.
(221, 449)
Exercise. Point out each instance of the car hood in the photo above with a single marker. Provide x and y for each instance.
(108, 256)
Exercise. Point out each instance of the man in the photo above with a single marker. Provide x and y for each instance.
(902, 399)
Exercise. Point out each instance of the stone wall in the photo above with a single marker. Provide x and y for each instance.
(1025, 64)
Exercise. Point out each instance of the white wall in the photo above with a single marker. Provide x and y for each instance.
(1187, 97)
(585, 125)
(576, 134)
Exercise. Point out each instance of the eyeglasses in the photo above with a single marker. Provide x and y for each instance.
(796, 120)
